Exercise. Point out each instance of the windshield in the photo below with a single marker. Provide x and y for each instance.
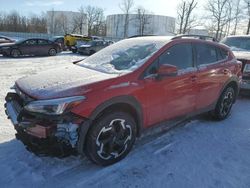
(124, 56)
(82, 42)
(20, 41)
(247, 68)
(237, 43)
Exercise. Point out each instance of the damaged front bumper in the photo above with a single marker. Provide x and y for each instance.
(43, 134)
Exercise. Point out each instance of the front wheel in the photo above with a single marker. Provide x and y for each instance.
(111, 138)
(224, 104)
(15, 53)
(52, 52)
(92, 52)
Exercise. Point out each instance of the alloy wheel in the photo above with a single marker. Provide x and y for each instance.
(112, 140)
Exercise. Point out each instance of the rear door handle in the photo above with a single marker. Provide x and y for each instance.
(225, 71)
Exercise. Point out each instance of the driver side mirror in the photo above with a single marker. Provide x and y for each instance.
(167, 70)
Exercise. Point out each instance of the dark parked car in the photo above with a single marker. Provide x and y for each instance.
(4, 39)
(240, 45)
(30, 47)
(60, 41)
(100, 105)
(92, 47)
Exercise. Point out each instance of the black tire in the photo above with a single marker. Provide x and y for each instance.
(224, 104)
(15, 53)
(74, 51)
(92, 52)
(5, 55)
(52, 52)
(111, 138)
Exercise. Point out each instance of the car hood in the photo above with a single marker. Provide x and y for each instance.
(85, 46)
(6, 44)
(61, 82)
(242, 55)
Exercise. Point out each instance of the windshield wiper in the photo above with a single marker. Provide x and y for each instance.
(77, 61)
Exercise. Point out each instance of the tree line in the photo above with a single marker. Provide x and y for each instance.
(15, 22)
(219, 17)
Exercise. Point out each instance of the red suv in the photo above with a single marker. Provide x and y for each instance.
(99, 105)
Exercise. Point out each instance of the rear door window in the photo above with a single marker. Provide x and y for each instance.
(208, 54)
(224, 54)
(42, 42)
(205, 54)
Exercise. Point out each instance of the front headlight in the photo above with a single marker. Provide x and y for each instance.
(54, 106)
(246, 68)
(5, 48)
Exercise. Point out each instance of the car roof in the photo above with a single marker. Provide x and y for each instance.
(238, 36)
(166, 38)
(36, 39)
(2, 36)
(56, 37)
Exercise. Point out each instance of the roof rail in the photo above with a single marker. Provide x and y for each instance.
(135, 36)
(202, 37)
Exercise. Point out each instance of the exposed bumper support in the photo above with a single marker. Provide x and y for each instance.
(11, 112)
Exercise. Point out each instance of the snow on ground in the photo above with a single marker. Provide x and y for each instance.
(203, 153)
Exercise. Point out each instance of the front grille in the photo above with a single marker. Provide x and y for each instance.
(245, 77)
(244, 62)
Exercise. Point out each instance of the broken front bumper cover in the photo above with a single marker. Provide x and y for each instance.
(21, 119)
(37, 131)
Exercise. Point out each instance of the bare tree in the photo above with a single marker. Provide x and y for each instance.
(236, 15)
(218, 14)
(51, 15)
(247, 2)
(15, 22)
(142, 19)
(185, 19)
(229, 6)
(79, 22)
(95, 18)
(35, 23)
(126, 7)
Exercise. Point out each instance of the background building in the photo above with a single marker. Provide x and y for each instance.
(144, 24)
(63, 22)
(200, 30)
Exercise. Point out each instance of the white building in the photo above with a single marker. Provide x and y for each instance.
(199, 30)
(64, 22)
(148, 24)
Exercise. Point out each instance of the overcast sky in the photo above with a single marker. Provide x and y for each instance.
(159, 7)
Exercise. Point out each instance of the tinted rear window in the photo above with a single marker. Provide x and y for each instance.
(205, 54)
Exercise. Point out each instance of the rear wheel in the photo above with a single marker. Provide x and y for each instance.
(52, 52)
(74, 50)
(111, 138)
(224, 104)
(92, 52)
(15, 53)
